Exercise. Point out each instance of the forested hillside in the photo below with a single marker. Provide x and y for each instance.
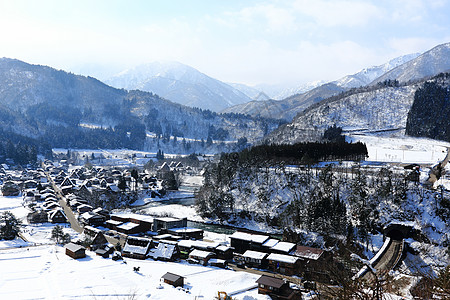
(70, 111)
(429, 114)
(346, 202)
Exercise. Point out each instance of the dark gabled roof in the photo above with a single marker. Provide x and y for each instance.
(308, 252)
(171, 277)
(271, 281)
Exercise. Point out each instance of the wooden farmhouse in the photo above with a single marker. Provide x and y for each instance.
(57, 216)
(164, 224)
(242, 241)
(75, 251)
(173, 279)
(187, 233)
(97, 237)
(136, 247)
(224, 252)
(283, 264)
(165, 251)
(314, 263)
(255, 259)
(201, 256)
(131, 223)
(277, 288)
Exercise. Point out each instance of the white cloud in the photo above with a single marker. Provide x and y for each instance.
(338, 13)
(266, 17)
(402, 46)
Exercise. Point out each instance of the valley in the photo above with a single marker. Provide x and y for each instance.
(163, 174)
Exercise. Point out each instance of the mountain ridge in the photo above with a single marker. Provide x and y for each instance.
(180, 83)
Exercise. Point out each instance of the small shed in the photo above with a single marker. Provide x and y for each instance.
(173, 279)
(75, 251)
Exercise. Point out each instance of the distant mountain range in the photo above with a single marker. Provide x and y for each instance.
(430, 63)
(315, 92)
(380, 106)
(180, 83)
(67, 110)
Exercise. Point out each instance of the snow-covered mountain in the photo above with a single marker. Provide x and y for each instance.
(383, 108)
(300, 89)
(428, 64)
(303, 96)
(180, 83)
(367, 75)
(286, 109)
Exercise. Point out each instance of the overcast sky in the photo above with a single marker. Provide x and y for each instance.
(252, 42)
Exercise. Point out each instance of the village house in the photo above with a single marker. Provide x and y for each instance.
(136, 247)
(75, 251)
(314, 263)
(224, 252)
(165, 251)
(57, 216)
(216, 262)
(277, 288)
(98, 239)
(255, 259)
(173, 279)
(92, 219)
(201, 256)
(38, 216)
(242, 241)
(84, 208)
(163, 224)
(283, 248)
(283, 264)
(187, 232)
(140, 223)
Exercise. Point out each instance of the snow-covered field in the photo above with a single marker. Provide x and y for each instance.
(38, 269)
(405, 150)
(45, 272)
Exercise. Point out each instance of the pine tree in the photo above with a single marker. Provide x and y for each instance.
(9, 226)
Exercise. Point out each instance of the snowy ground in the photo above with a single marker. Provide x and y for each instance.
(33, 233)
(38, 269)
(45, 272)
(404, 150)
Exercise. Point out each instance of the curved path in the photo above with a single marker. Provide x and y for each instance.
(385, 260)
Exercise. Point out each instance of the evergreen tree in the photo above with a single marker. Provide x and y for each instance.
(9, 226)
(59, 236)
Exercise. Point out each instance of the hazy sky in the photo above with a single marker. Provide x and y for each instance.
(274, 41)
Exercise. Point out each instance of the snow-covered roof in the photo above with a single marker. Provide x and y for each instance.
(163, 251)
(254, 254)
(185, 229)
(139, 217)
(270, 243)
(113, 222)
(136, 249)
(167, 219)
(283, 258)
(256, 238)
(308, 252)
(284, 246)
(74, 247)
(128, 226)
(223, 248)
(200, 253)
